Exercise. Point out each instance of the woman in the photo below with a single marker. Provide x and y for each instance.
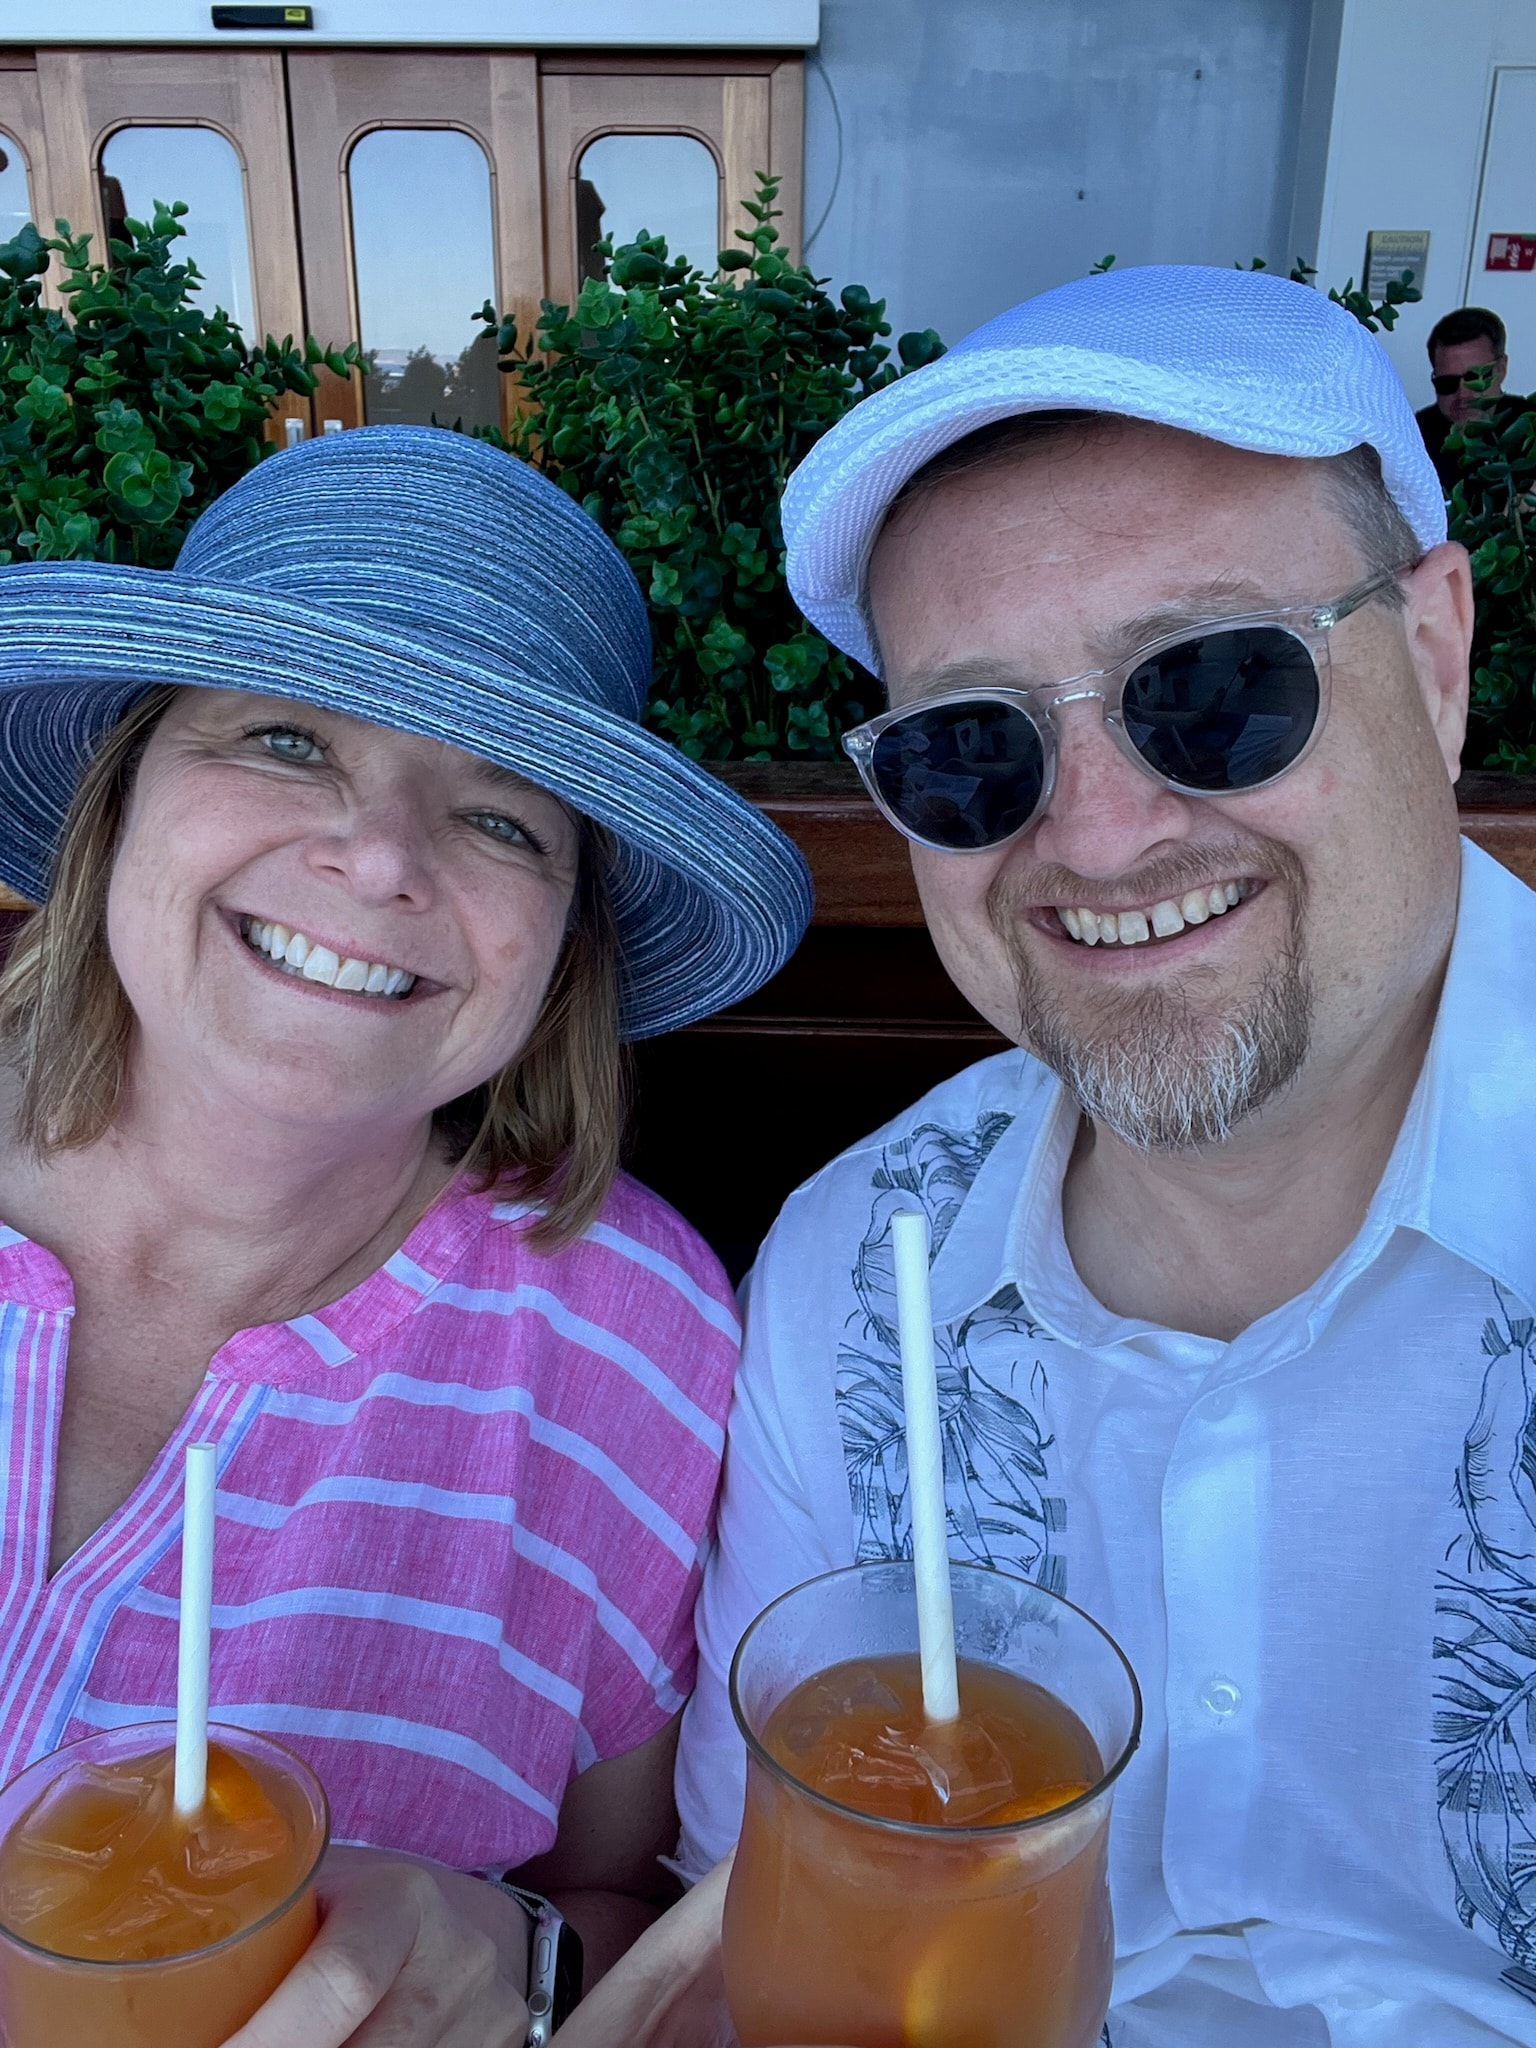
(357, 869)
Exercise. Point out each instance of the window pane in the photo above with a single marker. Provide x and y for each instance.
(198, 165)
(667, 184)
(425, 264)
(15, 201)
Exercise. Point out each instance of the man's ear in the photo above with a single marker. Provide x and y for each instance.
(1438, 625)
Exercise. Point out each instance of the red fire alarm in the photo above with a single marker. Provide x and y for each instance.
(1511, 252)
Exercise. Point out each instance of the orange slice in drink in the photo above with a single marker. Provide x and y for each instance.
(1044, 1799)
(235, 1794)
(923, 2003)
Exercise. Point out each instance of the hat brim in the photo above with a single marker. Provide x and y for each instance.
(711, 899)
(836, 501)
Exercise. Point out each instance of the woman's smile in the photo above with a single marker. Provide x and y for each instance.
(298, 957)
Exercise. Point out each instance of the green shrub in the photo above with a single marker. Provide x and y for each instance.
(673, 403)
(124, 415)
(1493, 515)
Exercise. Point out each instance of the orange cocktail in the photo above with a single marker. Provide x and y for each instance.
(905, 1884)
(123, 1923)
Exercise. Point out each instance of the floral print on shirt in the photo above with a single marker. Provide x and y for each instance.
(992, 1384)
(1485, 1719)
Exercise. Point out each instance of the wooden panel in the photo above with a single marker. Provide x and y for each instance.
(86, 94)
(517, 152)
(861, 867)
(747, 148)
(1510, 836)
(671, 64)
(578, 107)
(859, 864)
(21, 117)
(728, 1124)
(750, 115)
(786, 156)
(336, 97)
(70, 142)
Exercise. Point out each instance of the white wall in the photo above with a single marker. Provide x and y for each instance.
(1410, 119)
(989, 149)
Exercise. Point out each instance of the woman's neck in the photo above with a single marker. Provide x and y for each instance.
(246, 1217)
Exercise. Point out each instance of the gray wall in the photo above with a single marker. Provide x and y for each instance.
(993, 148)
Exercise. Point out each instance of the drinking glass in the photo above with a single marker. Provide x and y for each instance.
(877, 1933)
(193, 2000)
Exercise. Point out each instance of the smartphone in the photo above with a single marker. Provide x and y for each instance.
(555, 1967)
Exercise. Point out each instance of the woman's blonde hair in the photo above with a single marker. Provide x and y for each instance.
(550, 1126)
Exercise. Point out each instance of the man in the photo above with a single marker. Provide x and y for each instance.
(1234, 1261)
(1468, 364)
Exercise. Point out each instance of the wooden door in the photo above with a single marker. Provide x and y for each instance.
(23, 143)
(87, 99)
(340, 99)
(749, 112)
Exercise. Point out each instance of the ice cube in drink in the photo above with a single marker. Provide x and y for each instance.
(120, 1919)
(858, 1734)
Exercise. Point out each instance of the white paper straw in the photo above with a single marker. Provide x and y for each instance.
(196, 1626)
(925, 1466)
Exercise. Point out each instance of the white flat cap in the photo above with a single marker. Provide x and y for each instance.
(1236, 355)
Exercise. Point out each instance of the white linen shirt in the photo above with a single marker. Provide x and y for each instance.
(1317, 1543)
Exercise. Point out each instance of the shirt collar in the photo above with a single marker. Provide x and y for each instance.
(975, 1259)
(1470, 1183)
(1464, 1174)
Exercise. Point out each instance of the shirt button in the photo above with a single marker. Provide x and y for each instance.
(1219, 1696)
(1218, 1406)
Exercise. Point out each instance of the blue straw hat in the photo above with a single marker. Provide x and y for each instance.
(425, 581)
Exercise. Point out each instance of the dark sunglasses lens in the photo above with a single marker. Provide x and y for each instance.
(961, 776)
(1226, 711)
(1445, 385)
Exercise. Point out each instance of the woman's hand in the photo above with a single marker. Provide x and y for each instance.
(408, 1956)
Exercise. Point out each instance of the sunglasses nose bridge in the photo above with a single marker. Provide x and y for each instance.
(1073, 693)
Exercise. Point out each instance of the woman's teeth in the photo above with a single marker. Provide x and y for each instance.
(299, 956)
(1163, 921)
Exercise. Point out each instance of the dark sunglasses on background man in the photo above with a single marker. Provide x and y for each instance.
(1477, 380)
(1213, 711)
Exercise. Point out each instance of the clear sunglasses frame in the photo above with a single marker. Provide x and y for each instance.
(1308, 624)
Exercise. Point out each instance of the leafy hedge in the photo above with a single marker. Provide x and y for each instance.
(673, 403)
(1493, 514)
(124, 415)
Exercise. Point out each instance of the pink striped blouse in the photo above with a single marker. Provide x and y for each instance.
(460, 1517)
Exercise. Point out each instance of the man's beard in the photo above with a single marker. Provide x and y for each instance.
(1149, 1067)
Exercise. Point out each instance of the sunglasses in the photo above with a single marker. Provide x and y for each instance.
(1477, 380)
(1216, 711)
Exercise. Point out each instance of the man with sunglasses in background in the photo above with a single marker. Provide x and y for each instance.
(1234, 1269)
(1468, 363)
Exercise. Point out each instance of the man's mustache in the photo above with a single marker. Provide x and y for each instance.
(1045, 884)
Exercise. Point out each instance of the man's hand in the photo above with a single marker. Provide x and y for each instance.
(408, 1956)
(668, 1992)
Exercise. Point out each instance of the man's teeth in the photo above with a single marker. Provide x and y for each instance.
(1163, 921)
(299, 956)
